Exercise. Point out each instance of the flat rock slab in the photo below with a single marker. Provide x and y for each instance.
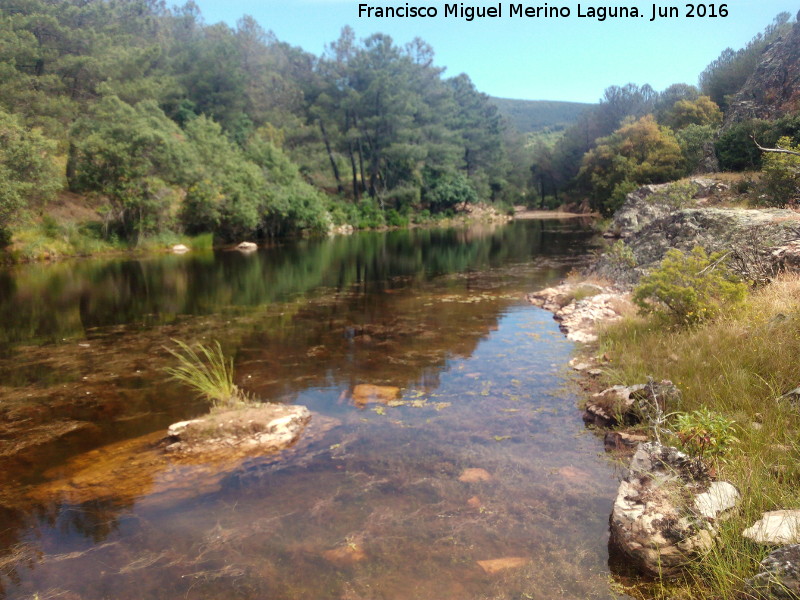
(263, 427)
(141, 469)
(497, 565)
(776, 527)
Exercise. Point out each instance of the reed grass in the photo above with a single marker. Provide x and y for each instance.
(206, 370)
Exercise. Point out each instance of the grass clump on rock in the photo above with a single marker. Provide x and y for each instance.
(208, 372)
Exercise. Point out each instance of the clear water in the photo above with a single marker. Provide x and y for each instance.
(371, 503)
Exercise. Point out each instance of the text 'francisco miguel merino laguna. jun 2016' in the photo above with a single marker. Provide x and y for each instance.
(460, 10)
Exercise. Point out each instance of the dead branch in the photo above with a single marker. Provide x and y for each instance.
(777, 150)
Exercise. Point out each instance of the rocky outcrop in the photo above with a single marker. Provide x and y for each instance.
(655, 219)
(666, 509)
(779, 576)
(773, 90)
(579, 308)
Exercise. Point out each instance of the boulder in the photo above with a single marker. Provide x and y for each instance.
(666, 508)
(180, 249)
(622, 404)
(779, 576)
(247, 247)
(656, 218)
(776, 527)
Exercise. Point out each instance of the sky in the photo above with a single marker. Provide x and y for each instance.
(547, 58)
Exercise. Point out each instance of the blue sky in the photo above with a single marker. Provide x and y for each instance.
(537, 59)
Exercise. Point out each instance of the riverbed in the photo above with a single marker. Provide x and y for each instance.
(477, 480)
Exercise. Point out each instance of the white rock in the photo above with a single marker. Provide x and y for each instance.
(180, 249)
(176, 429)
(247, 247)
(720, 497)
(777, 527)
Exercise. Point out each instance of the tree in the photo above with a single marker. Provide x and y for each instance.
(28, 172)
(639, 152)
(702, 111)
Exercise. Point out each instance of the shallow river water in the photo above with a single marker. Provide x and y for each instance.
(483, 456)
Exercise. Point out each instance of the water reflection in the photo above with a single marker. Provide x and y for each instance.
(372, 505)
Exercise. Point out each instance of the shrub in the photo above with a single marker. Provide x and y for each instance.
(688, 288)
(781, 179)
(620, 255)
(704, 433)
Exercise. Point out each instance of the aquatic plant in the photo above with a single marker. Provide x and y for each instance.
(207, 371)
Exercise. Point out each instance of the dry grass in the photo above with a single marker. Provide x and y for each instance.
(740, 366)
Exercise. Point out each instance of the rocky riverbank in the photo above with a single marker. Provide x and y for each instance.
(670, 506)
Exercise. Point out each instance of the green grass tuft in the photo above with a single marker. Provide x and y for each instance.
(209, 373)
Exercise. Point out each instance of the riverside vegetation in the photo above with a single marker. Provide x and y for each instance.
(130, 124)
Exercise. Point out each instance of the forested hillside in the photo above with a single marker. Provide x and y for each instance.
(637, 135)
(531, 116)
(163, 123)
(147, 122)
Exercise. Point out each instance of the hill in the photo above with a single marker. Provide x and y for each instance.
(529, 116)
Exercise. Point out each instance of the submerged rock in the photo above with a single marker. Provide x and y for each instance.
(144, 470)
(776, 527)
(665, 509)
(495, 565)
(345, 556)
(779, 576)
(474, 475)
(366, 393)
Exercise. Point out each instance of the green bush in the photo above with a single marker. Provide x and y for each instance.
(688, 288)
(781, 179)
(621, 255)
(704, 433)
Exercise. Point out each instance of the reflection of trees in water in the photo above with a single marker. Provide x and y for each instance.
(373, 319)
(50, 302)
(73, 524)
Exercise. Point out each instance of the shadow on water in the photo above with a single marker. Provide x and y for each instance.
(482, 458)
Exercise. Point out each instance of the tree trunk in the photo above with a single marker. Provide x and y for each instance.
(335, 168)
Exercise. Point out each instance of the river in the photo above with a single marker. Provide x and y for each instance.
(479, 482)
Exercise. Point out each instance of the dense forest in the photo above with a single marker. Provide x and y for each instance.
(168, 124)
(156, 123)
